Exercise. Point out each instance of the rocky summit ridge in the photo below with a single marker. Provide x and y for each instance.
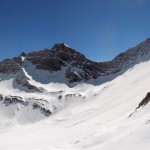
(73, 66)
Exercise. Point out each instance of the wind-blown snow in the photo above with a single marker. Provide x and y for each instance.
(92, 118)
(66, 45)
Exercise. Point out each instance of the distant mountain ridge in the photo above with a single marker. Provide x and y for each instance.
(72, 66)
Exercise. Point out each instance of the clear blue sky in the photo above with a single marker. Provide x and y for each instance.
(100, 29)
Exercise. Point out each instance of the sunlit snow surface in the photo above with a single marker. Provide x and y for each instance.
(99, 121)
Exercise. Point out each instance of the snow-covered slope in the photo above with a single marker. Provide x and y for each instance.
(57, 108)
(98, 119)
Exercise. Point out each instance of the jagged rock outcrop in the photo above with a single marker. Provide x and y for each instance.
(8, 66)
(144, 101)
(23, 80)
(43, 110)
(73, 77)
(33, 102)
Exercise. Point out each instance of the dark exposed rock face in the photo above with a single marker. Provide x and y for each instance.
(1, 97)
(144, 101)
(8, 100)
(22, 80)
(13, 66)
(78, 67)
(66, 54)
(46, 112)
(8, 66)
(134, 55)
(11, 100)
(73, 77)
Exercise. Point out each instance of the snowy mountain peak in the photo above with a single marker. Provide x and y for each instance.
(65, 52)
(69, 66)
(61, 45)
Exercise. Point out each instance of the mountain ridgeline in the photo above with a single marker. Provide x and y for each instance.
(66, 62)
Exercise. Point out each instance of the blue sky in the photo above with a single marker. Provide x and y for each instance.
(100, 29)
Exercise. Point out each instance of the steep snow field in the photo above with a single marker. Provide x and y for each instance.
(96, 120)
